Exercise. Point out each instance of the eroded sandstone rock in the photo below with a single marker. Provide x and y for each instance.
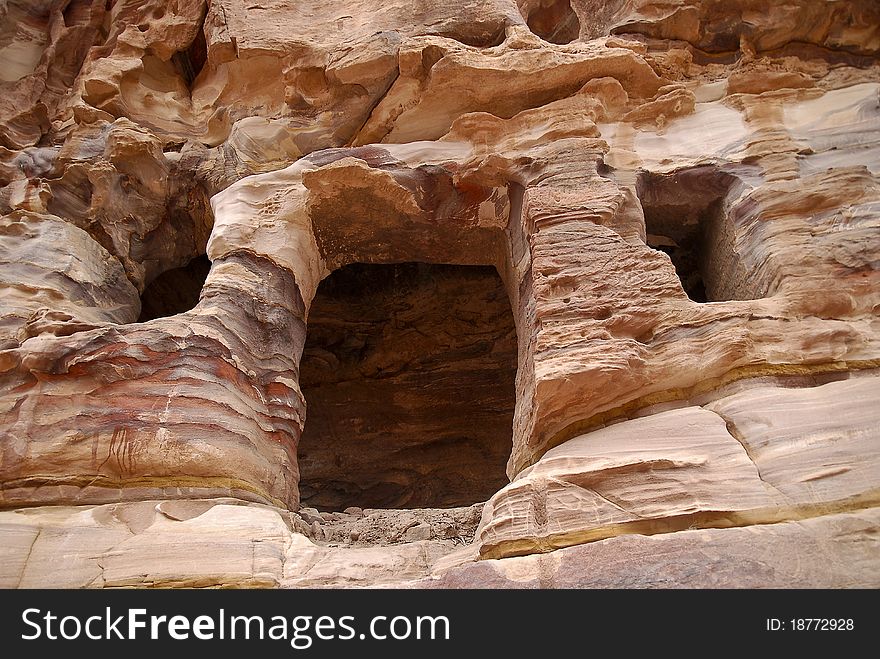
(680, 199)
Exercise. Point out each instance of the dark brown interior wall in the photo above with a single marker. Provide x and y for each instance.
(408, 373)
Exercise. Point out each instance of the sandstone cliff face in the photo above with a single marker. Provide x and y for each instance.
(611, 267)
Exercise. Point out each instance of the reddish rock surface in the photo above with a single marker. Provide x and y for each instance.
(680, 200)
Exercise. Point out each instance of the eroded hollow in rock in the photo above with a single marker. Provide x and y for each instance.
(685, 218)
(189, 62)
(175, 291)
(408, 374)
(552, 20)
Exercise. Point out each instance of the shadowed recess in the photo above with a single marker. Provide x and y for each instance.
(408, 374)
(552, 20)
(685, 218)
(175, 291)
(190, 62)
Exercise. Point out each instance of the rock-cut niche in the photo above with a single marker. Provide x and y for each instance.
(686, 218)
(408, 373)
(175, 291)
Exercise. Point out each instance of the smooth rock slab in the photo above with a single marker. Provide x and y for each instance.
(813, 444)
(762, 455)
(834, 551)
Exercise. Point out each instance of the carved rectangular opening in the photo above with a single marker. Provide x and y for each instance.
(685, 217)
(175, 291)
(408, 373)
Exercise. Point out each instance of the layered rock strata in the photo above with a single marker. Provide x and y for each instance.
(681, 200)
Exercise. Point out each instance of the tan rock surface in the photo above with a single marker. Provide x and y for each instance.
(832, 551)
(247, 546)
(763, 455)
(681, 200)
(57, 280)
(218, 543)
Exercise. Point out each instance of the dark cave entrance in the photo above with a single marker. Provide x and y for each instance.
(685, 217)
(408, 373)
(190, 62)
(175, 291)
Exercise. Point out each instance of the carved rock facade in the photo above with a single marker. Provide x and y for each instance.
(612, 266)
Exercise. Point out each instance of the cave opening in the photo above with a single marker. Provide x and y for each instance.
(408, 374)
(190, 62)
(175, 291)
(685, 217)
(552, 20)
